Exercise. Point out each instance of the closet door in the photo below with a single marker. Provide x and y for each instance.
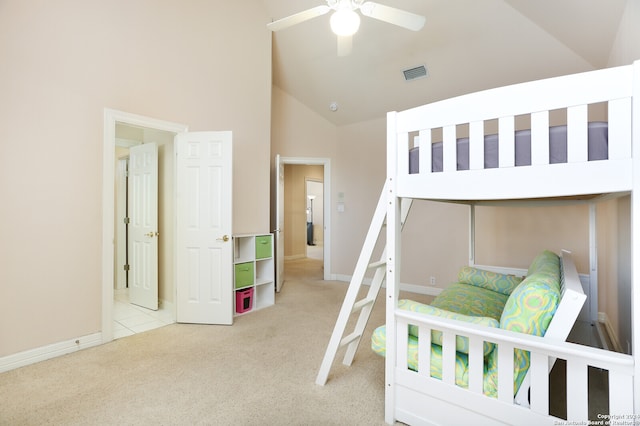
(143, 225)
(204, 250)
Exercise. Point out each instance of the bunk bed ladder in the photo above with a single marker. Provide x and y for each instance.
(364, 306)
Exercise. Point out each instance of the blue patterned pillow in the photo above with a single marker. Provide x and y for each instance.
(494, 281)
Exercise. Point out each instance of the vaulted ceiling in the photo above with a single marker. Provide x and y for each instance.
(466, 45)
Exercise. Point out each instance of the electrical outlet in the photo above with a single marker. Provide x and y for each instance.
(432, 281)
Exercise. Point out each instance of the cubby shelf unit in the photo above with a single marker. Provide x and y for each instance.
(254, 272)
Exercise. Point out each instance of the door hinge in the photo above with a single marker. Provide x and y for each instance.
(127, 220)
(127, 267)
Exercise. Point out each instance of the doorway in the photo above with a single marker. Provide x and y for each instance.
(291, 238)
(145, 306)
(314, 190)
(118, 128)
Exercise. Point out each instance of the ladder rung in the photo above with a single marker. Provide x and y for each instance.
(350, 338)
(361, 303)
(377, 264)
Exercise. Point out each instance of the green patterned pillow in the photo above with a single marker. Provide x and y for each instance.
(462, 343)
(531, 305)
(529, 310)
(546, 261)
(494, 281)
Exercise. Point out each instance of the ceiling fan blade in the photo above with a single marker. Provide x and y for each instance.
(297, 18)
(344, 45)
(402, 18)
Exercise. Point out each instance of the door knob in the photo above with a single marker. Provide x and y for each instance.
(224, 238)
(151, 234)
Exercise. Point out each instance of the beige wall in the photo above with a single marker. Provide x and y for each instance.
(204, 64)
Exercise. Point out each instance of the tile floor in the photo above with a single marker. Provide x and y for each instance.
(129, 319)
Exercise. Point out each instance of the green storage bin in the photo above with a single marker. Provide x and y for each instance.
(244, 274)
(263, 246)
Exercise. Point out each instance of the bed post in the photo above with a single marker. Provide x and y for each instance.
(393, 267)
(593, 263)
(472, 234)
(635, 234)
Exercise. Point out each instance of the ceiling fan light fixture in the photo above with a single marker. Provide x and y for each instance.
(345, 22)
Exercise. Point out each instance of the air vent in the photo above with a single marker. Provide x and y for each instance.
(415, 73)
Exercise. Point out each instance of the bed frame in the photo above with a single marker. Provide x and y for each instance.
(416, 398)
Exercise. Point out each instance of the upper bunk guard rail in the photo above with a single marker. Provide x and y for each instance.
(613, 86)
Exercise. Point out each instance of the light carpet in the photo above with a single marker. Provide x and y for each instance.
(260, 371)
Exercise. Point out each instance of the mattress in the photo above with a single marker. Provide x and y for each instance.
(597, 141)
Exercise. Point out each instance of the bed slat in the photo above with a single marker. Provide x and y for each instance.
(539, 383)
(449, 358)
(476, 365)
(476, 145)
(505, 372)
(540, 138)
(506, 142)
(449, 154)
(619, 129)
(577, 151)
(424, 155)
(403, 344)
(620, 399)
(424, 351)
(403, 146)
(577, 384)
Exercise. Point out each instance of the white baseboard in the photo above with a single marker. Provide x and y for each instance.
(412, 288)
(295, 257)
(53, 350)
(167, 306)
(421, 289)
(603, 319)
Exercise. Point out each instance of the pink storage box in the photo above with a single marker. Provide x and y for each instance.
(244, 300)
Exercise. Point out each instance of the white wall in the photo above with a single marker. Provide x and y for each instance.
(204, 64)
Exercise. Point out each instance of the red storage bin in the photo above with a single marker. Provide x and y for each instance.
(244, 300)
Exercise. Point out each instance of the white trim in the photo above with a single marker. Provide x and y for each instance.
(111, 117)
(421, 289)
(53, 350)
(411, 288)
(603, 319)
(295, 257)
(326, 162)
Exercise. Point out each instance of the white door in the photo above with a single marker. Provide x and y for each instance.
(204, 249)
(143, 225)
(279, 231)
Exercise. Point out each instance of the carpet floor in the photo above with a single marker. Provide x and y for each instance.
(260, 371)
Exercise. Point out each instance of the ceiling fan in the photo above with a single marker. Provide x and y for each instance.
(345, 21)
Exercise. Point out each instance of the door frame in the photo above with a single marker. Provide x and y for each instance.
(326, 163)
(111, 117)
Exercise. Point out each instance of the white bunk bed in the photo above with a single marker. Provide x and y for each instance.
(416, 398)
